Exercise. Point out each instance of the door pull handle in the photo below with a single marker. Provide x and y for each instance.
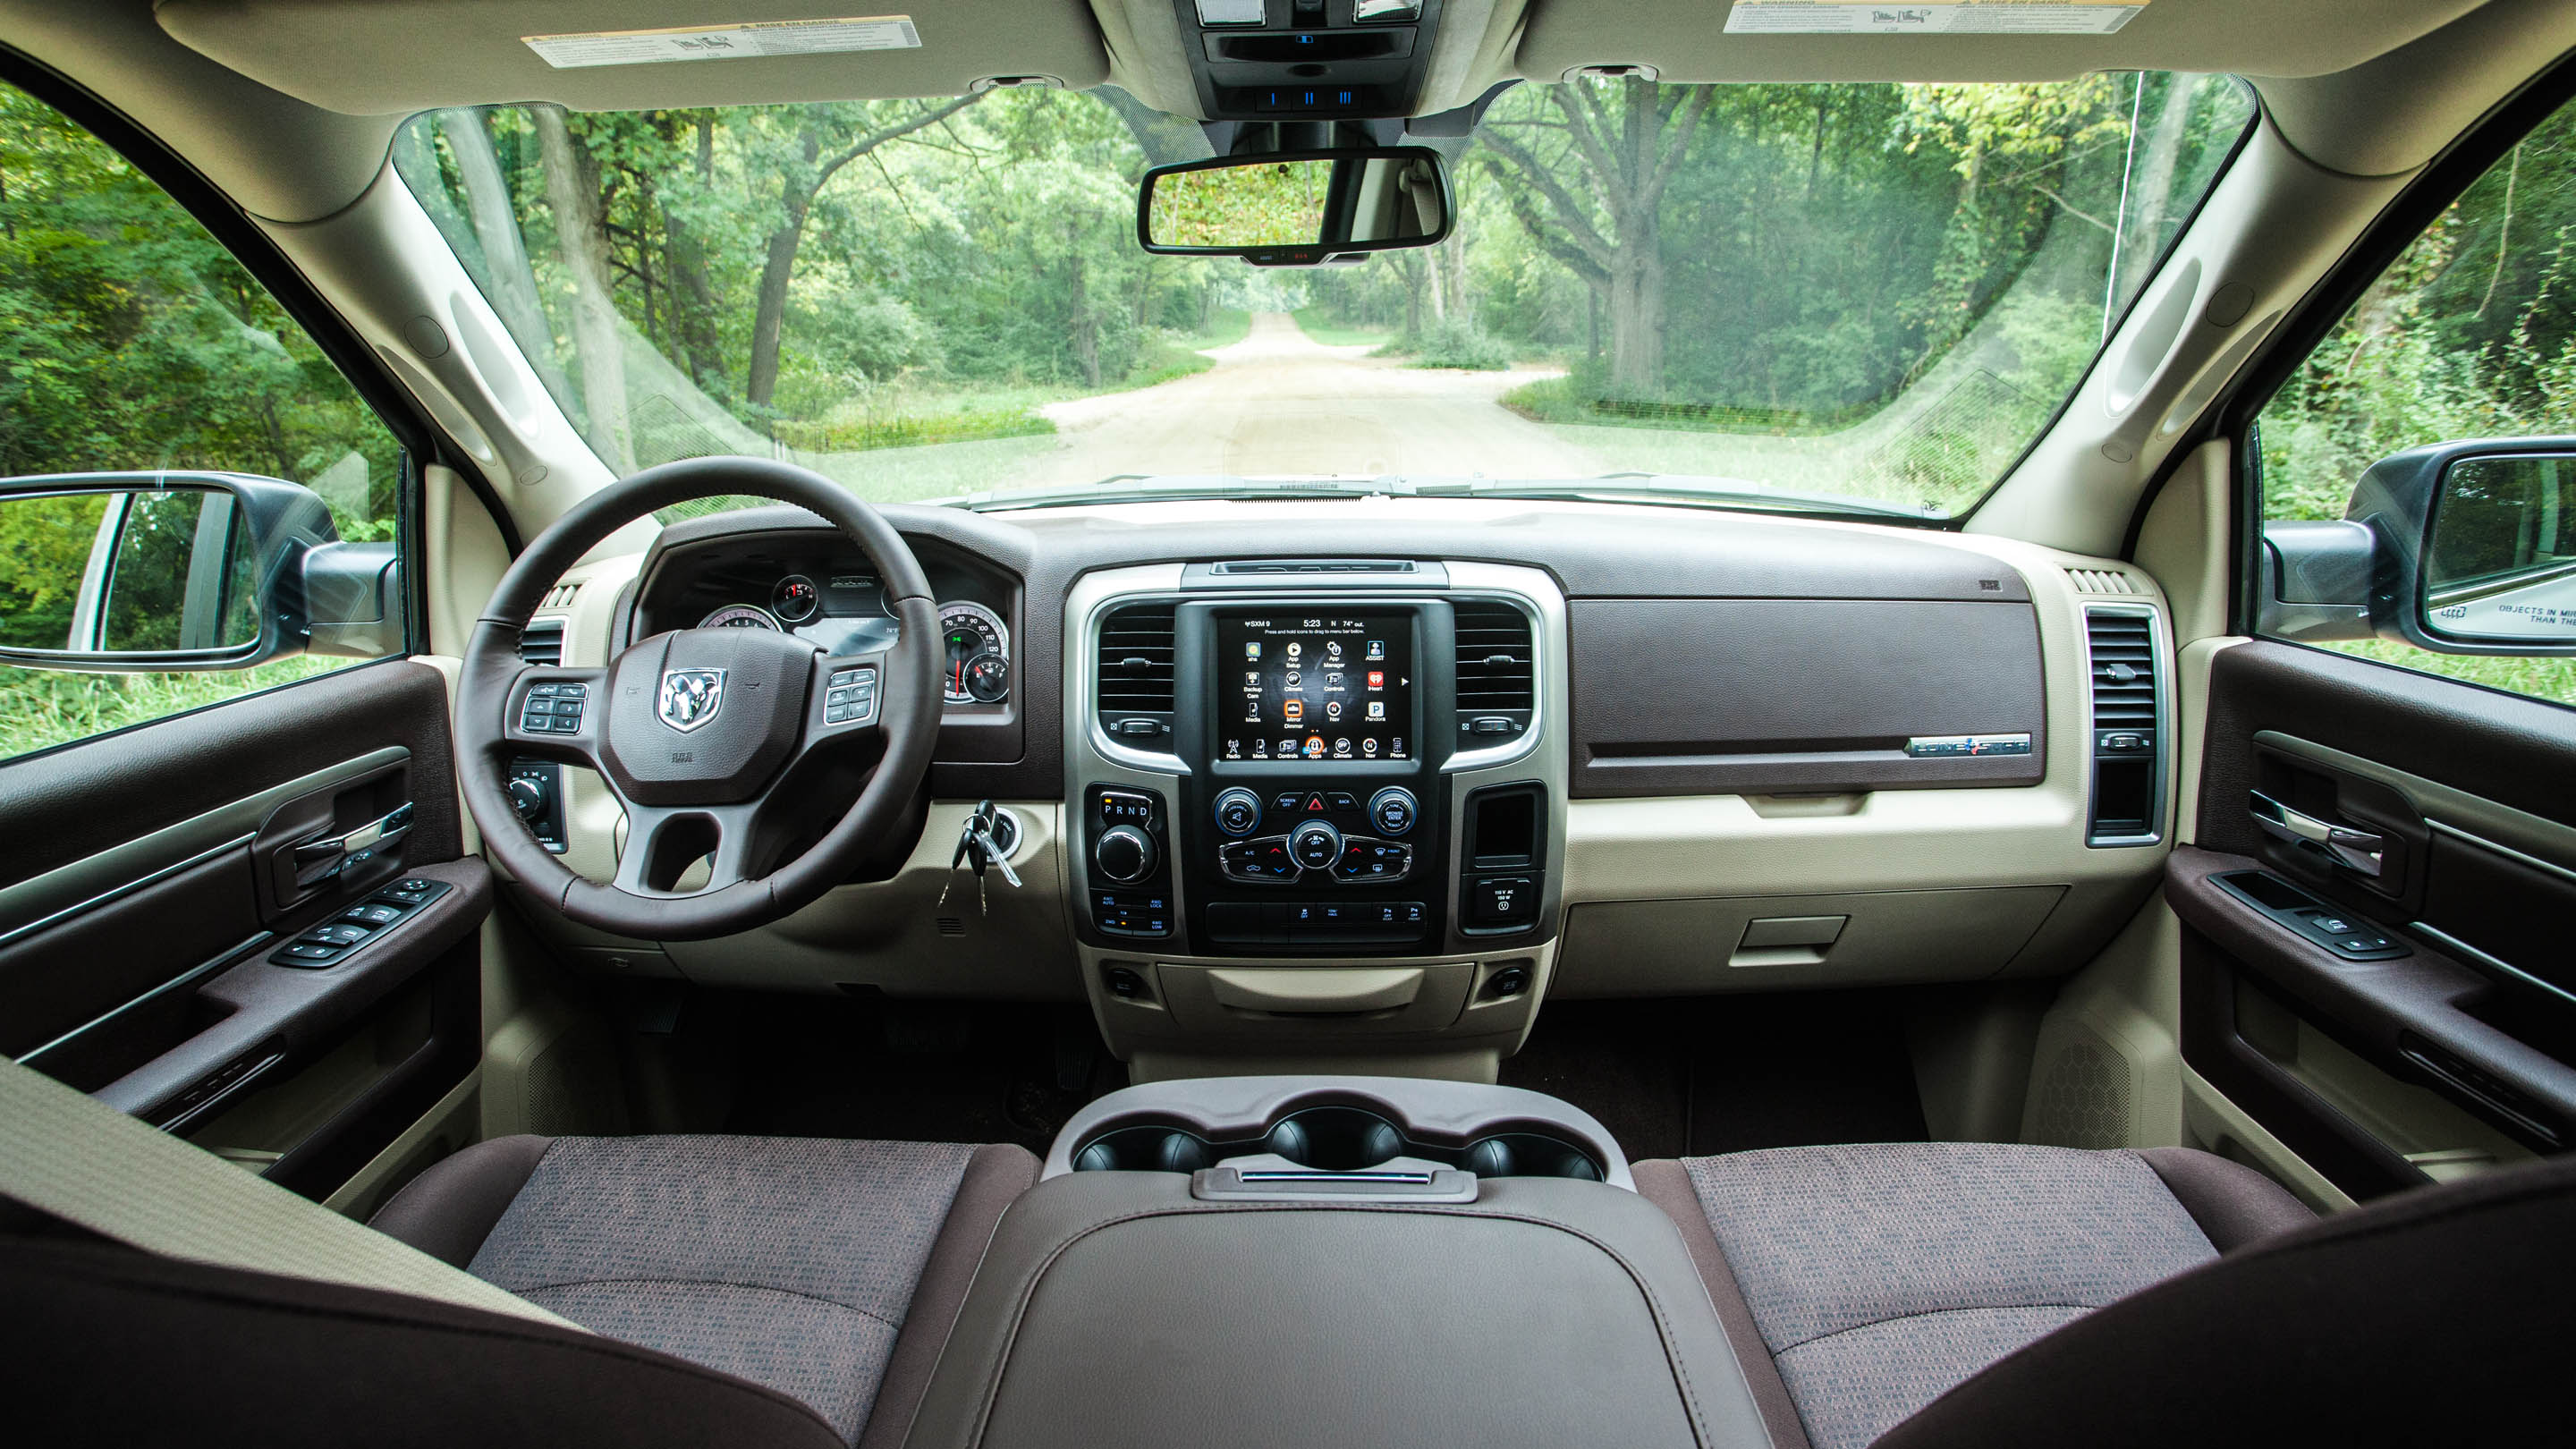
(2359, 851)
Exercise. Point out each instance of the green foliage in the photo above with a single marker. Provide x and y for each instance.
(44, 551)
(1451, 342)
(1317, 323)
(1278, 204)
(43, 708)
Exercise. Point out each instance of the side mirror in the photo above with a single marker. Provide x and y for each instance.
(154, 572)
(2458, 548)
(1297, 209)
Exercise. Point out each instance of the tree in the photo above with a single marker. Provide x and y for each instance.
(803, 173)
(1628, 152)
(581, 237)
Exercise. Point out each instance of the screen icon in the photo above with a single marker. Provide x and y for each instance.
(1395, 748)
(1295, 648)
(1377, 679)
(1314, 747)
(1293, 710)
(1252, 650)
(1369, 748)
(1252, 679)
(1333, 680)
(1261, 749)
(1332, 709)
(1377, 649)
(1234, 749)
(1293, 679)
(1342, 748)
(1333, 650)
(1377, 709)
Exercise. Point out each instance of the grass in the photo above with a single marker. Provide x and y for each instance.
(2550, 679)
(1323, 331)
(1565, 400)
(40, 708)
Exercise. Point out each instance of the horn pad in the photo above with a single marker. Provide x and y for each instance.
(705, 716)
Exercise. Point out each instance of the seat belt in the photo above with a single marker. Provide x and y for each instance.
(65, 1153)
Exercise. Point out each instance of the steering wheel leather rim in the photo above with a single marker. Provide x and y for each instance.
(907, 719)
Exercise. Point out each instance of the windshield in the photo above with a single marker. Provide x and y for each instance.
(1869, 297)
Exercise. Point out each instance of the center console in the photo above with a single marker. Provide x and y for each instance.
(1315, 763)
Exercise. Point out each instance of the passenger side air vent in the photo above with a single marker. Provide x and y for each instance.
(1133, 678)
(542, 641)
(2103, 581)
(2128, 716)
(1497, 674)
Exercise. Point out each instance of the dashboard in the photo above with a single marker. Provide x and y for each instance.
(1279, 797)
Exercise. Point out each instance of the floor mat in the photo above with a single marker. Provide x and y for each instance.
(1718, 1074)
(917, 1072)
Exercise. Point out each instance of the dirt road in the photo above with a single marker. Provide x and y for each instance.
(1279, 403)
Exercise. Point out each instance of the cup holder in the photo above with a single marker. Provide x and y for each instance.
(1334, 1139)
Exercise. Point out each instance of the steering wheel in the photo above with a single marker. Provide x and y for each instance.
(698, 731)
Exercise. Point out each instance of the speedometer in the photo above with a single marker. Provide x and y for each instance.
(971, 631)
(739, 616)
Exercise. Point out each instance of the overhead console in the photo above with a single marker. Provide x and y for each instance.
(1273, 60)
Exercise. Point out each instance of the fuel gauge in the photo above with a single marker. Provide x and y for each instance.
(795, 599)
(988, 678)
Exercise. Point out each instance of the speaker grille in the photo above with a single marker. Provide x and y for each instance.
(2081, 1097)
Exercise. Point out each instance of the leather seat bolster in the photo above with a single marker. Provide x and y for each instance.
(1666, 1184)
(451, 1208)
(2234, 1204)
(218, 1357)
(995, 1177)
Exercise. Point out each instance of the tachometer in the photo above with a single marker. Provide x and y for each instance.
(970, 632)
(739, 616)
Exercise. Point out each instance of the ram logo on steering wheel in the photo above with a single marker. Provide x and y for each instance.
(691, 697)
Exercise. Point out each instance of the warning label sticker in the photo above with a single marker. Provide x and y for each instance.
(725, 42)
(1960, 17)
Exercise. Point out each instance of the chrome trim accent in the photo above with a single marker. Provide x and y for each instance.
(2358, 851)
(2501, 827)
(2160, 656)
(2476, 957)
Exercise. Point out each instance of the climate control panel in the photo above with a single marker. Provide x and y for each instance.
(1329, 838)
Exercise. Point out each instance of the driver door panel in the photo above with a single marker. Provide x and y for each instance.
(149, 877)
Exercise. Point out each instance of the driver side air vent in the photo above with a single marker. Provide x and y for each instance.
(2128, 718)
(1133, 674)
(542, 642)
(1497, 676)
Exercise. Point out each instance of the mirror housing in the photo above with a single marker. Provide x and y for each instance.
(2457, 548)
(1300, 208)
(154, 572)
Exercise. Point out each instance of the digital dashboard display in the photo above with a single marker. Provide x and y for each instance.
(1308, 687)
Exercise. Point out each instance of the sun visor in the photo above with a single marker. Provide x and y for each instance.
(1982, 40)
(391, 57)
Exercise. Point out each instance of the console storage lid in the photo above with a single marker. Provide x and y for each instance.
(1113, 1308)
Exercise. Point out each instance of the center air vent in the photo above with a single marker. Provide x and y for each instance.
(542, 642)
(1497, 674)
(1133, 674)
(2127, 685)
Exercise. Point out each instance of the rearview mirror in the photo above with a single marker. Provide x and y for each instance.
(153, 572)
(1297, 209)
(2459, 548)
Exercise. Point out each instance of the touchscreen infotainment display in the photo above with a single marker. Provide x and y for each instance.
(1309, 687)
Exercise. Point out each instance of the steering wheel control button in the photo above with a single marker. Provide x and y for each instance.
(1315, 845)
(1391, 810)
(1238, 811)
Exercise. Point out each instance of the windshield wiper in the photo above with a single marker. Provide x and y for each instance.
(1684, 490)
(1138, 487)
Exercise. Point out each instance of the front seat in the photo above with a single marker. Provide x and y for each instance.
(1860, 1283)
(827, 1270)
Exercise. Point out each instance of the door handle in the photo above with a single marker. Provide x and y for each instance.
(2358, 851)
(315, 859)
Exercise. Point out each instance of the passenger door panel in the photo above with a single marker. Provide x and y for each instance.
(2452, 1047)
(151, 876)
